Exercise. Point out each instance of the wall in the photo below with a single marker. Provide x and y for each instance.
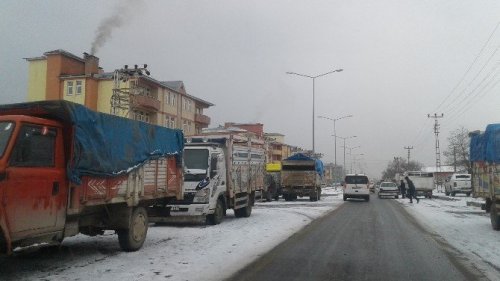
(37, 77)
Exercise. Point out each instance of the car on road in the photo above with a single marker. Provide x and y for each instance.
(458, 183)
(356, 186)
(388, 188)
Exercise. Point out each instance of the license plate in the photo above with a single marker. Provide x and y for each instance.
(174, 208)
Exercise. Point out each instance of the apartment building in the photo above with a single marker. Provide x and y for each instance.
(60, 75)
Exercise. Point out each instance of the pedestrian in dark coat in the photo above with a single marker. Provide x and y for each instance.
(402, 189)
(411, 190)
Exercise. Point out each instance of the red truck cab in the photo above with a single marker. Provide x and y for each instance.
(33, 182)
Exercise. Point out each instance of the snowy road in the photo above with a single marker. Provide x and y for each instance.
(374, 240)
(196, 252)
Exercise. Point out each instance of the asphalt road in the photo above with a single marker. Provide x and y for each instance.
(374, 240)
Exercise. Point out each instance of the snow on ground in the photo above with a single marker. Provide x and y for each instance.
(175, 252)
(466, 228)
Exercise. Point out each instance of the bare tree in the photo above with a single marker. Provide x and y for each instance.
(457, 152)
(399, 165)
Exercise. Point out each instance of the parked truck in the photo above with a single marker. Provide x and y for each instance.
(458, 183)
(485, 160)
(220, 172)
(65, 169)
(423, 181)
(273, 181)
(301, 176)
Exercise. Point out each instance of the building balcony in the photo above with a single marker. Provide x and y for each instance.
(203, 119)
(146, 102)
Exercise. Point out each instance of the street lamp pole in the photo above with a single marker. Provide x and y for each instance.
(313, 113)
(344, 138)
(335, 132)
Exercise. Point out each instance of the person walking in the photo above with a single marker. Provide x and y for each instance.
(402, 189)
(411, 190)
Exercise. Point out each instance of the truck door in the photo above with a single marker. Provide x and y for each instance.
(34, 193)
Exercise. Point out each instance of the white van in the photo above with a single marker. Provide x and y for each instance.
(356, 186)
(458, 183)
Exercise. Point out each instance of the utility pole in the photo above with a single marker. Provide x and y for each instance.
(438, 152)
(408, 148)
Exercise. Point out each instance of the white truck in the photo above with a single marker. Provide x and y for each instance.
(423, 181)
(458, 183)
(220, 172)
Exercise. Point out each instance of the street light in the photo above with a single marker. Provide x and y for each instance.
(313, 78)
(353, 159)
(345, 138)
(335, 132)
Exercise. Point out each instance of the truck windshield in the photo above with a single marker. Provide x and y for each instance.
(6, 129)
(196, 164)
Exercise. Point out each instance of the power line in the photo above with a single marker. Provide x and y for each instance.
(470, 67)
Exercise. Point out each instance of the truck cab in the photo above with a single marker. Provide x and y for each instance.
(204, 183)
(33, 183)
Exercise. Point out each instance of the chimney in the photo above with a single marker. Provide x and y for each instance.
(91, 64)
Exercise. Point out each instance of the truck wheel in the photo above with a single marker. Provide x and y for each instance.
(244, 212)
(397, 196)
(345, 198)
(468, 194)
(367, 198)
(319, 193)
(269, 196)
(495, 217)
(453, 194)
(131, 239)
(218, 214)
(446, 193)
(313, 197)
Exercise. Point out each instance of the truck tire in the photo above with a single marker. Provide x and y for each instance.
(244, 212)
(467, 194)
(345, 198)
(218, 214)
(367, 198)
(131, 239)
(446, 193)
(495, 217)
(269, 196)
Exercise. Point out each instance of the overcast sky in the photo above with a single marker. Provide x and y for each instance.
(402, 60)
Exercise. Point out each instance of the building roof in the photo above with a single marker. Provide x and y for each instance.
(178, 86)
(273, 134)
(444, 169)
(174, 85)
(64, 53)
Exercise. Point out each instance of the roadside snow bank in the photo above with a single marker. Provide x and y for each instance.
(176, 252)
(466, 228)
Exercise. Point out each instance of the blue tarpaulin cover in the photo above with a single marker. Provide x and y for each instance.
(103, 144)
(302, 157)
(486, 146)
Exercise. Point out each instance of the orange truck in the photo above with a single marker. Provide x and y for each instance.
(65, 169)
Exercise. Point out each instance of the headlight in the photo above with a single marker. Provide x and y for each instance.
(202, 196)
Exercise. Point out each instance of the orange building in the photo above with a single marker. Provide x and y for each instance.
(60, 75)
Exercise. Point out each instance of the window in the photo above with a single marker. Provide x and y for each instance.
(6, 129)
(171, 99)
(170, 122)
(78, 87)
(69, 88)
(35, 147)
(141, 116)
